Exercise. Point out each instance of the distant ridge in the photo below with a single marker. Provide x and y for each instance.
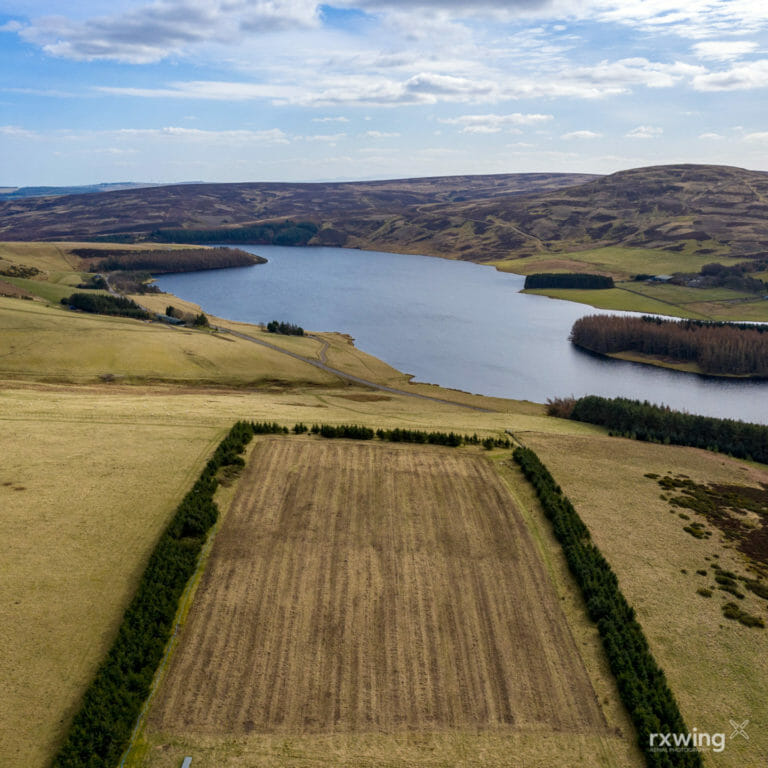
(10, 193)
(478, 218)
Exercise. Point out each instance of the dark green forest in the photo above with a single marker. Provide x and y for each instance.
(104, 304)
(583, 281)
(286, 329)
(270, 233)
(660, 424)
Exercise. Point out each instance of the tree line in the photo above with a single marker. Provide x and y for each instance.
(585, 281)
(286, 329)
(398, 435)
(661, 424)
(271, 233)
(717, 348)
(101, 730)
(169, 260)
(641, 682)
(105, 304)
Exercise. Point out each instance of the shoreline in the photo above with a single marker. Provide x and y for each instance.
(669, 364)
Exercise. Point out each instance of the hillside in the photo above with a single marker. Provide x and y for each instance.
(689, 209)
(136, 213)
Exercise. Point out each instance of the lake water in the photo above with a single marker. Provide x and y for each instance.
(451, 323)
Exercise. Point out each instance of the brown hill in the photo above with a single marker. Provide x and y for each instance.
(479, 218)
(138, 212)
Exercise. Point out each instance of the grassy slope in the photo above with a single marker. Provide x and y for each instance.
(662, 299)
(53, 343)
(711, 663)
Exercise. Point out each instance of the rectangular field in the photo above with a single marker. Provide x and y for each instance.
(361, 588)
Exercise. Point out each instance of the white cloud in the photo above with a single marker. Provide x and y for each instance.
(165, 28)
(381, 134)
(330, 120)
(17, 131)
(270, 136)
(739, 77)
(698, 19)
(581, 135)
(211, 90)
(645, 132)
(710, 136)
(326, 137)
(761, 137)
(724, 50)
(494, 123)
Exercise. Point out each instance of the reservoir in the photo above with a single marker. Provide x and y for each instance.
(451, 323)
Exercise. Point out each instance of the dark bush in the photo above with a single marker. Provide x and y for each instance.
(104, 304)
(579, 280)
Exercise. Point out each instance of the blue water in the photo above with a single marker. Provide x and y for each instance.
(451, 323)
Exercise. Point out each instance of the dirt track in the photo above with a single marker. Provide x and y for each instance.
(361, 587)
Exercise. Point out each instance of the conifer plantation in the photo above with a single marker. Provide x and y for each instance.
(735, 349)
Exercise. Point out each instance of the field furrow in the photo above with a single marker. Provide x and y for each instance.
(356, 587)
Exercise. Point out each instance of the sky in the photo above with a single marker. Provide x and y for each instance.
(295, 90)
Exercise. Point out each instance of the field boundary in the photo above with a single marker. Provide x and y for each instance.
(185, 602)
(641, 682)
(104, 725)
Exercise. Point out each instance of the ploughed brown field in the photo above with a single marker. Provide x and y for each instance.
(359, 587)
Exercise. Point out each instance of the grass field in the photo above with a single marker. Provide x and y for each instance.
(381, 591)
(618, 261)
(93, 472)
(711, 663)
(83, 502)
(52, 343)
(623, 263)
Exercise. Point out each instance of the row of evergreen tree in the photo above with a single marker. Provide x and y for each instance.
(359, 432)
(286, 329)
(170, 260)
(106, 304)
(718, 348)
(584, 281)
(272, 233)
(642, 684)
(642, 420)
(101, 730)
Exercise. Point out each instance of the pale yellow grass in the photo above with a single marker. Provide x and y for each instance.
(52, 343)
(716, 667)
(103, 466)
(446, 749)
(57, 256)
(84, 498)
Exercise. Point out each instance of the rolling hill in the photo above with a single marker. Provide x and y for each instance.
(698, 209)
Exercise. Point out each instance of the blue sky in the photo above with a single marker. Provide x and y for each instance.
(293, 90)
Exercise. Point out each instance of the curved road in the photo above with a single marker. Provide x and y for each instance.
(349, 376)
(321, 364)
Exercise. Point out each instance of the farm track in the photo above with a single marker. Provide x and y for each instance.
(348, 376)
(356, 588)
